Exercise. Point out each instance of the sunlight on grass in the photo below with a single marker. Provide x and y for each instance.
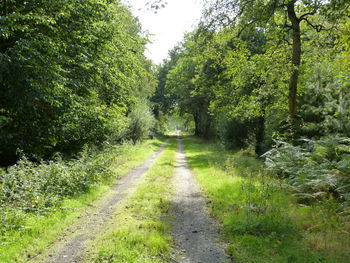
(141, 230)
(261, 222)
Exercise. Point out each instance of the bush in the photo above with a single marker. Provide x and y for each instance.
(234, 133)
(141, 123)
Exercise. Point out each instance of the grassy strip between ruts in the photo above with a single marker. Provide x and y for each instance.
(261, 222)
(40, 230)
(141, 229)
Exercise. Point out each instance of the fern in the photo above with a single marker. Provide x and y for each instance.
(315, 169)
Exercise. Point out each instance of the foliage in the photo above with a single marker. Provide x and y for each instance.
(28, 187)
(69, 72)
(29, 231)
(316, 169)
(234, 72)
(325, 101)
(141, 123)
(50, 191)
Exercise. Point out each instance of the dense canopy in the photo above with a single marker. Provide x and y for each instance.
(70, 72)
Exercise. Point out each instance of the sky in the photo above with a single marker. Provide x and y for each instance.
(168, 26)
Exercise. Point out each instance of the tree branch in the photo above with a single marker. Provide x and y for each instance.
(240, 31)
(303, 16)
(286, 40)
(318, 28)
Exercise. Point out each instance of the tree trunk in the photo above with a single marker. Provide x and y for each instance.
(296, 58)
(196, 124)
(202, 122)
(260, 135)
(205, 123)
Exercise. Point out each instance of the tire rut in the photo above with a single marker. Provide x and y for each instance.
(73, 243)
(195, 233)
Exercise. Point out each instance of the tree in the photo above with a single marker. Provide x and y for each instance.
(70, 71)
(191, 92)
(242, 14)
(164, 101)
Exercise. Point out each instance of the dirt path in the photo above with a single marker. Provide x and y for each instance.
(194, 231)
(71, 245)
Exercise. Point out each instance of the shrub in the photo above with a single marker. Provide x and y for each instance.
(141, 122)
(234, 133)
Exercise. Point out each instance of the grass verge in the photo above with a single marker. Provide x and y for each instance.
(261, 221)
(38, 230)
(141, 230)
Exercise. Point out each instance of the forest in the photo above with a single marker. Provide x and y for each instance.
(273, 76)
(71, 71)
(259, 91)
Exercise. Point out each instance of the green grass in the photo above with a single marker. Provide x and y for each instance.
(141, 229)
(261, 222)
(39, 231)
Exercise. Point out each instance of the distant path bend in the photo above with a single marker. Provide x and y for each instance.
(195, 233)
(72, 245)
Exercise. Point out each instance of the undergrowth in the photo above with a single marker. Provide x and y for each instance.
(315, 169)
(40, 188)
(38, 199)
(262, 220)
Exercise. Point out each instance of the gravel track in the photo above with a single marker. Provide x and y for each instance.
(195, 233)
